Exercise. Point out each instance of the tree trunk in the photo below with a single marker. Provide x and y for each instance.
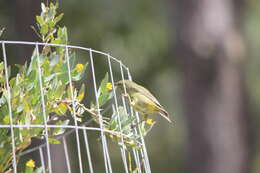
(211, 51)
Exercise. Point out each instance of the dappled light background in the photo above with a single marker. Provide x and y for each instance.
(147, 36)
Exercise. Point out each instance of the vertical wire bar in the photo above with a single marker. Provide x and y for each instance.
(135, 152)
(137, 117)
(107, 155)
(108, 158)
(66, 154)
(138, 163)
(146, 159)
(9, 108)
(103, 138)
(74, 110)
(88, 152)
(42, 160)
(43, 108)
(122, 149)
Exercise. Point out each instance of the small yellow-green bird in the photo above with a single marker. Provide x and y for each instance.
(141, 99)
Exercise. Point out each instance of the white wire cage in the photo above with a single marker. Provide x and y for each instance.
(78, 150)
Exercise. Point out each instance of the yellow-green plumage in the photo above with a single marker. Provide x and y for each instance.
(141, 99)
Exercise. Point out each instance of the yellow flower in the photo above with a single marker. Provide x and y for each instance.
(79, 67)
(109, 86)
(149, 121)
(30, 163)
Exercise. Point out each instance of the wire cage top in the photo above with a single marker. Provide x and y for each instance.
(62, 95)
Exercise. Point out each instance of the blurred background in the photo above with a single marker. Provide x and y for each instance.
(200, 58)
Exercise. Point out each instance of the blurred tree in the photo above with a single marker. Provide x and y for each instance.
(211, 49)
(25, 12)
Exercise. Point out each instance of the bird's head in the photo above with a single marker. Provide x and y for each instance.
(126, 83)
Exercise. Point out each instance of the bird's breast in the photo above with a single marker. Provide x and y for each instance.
(143, 104)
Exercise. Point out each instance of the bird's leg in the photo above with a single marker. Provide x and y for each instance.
(145, 117)
(129, 99)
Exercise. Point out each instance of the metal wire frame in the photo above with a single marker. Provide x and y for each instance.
(140, 156)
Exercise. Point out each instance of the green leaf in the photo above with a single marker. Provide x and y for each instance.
(60, 90)
(102, 89)
(40, 20)
(39, 170)
(48, 78)
(104, 98)
(58, 18)
(81, 93)
(43, 7)
(61, 109)
(19, 108)
(62, 34)
(51, 24)
(54, 59)
(44, 29)
(53, 141)
(103, 93)
(6, 119)
(28, 169)
(32, 76)
(1, 66)
(1, 31)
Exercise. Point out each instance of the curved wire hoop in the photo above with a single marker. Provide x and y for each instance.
(79, 130)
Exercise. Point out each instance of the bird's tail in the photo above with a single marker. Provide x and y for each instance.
(164, 114)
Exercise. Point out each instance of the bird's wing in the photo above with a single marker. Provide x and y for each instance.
(147, 93)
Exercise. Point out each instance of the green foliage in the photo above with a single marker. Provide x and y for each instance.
(50, 65)
(127, 123)
(26, 102)
(103, 91)
(46, 23)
